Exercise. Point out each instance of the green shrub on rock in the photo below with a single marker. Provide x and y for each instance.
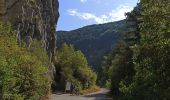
(22, 70)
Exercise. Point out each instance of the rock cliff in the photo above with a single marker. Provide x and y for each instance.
(33, 19)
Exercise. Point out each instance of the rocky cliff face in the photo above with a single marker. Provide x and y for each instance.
(33, 19)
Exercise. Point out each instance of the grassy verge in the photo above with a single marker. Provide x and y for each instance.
(90, 90)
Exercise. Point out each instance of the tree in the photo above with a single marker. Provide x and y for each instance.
(151, 56)
(22, 72)
(120, 67)
(72, 65)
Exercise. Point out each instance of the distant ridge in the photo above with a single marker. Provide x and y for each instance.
(94, 40)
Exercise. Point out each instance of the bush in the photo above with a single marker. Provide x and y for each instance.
(151, 56)
(72, 65)
(22, 71)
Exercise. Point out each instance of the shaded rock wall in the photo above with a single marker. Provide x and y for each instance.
(33, 19)
(2, 7)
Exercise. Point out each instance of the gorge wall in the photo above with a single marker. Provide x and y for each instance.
(33, 19)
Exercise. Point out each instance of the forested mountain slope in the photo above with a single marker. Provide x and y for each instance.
(94, 40)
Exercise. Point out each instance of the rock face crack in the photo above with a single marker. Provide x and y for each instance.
(33, 19)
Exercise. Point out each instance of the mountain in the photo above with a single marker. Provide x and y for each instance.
(94, 41)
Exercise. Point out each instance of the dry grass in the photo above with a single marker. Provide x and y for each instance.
(47, 95)
(90, 90)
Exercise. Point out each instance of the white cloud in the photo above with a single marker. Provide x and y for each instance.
(119, 13)
(114, 15)
(83, 1)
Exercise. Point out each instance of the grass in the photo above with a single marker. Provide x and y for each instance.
(90, 90)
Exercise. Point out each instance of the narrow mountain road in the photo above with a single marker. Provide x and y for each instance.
(101, 95)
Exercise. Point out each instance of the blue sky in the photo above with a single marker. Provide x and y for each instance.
(78, 13)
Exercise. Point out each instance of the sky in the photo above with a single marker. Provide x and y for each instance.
(79, 13)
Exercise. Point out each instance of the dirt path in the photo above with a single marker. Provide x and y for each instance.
(101, 95)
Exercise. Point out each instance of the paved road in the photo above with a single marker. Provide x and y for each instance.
(101, 95)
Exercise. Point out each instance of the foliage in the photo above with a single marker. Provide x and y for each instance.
(147, 75)
(151, 56)
(133, 35)
(72, 65)
(118, 66)
(22, 70)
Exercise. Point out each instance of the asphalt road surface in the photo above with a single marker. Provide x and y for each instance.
(101, 95)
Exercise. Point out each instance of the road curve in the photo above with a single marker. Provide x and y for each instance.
(101, 95)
